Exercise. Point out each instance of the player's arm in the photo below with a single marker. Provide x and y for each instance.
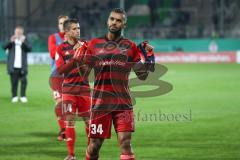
(81, 56)
(147, 55)
(52, 47)
(66, 67)
(140, 70)
(74, 62)
(147, 60)
(85, 70)
(62, 67)
(88, 59)
(139, 66)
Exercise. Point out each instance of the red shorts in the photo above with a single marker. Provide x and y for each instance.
(101, 122)
(79, 105)
(55, 83)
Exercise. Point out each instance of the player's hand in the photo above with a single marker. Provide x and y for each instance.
(80, 52)
(77, 45)
(147, 46)
(147, 55)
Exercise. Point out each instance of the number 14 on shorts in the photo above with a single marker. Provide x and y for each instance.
(96, 129)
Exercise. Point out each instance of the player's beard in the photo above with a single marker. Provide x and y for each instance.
(116, 32)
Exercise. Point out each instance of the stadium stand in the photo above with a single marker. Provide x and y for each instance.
(174, 19)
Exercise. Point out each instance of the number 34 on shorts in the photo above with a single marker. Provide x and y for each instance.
(96, 129)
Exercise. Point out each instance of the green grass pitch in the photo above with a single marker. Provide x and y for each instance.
(205, 101)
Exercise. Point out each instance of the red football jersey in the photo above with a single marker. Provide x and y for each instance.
(112, 62)
(53, 43)
(74, 82)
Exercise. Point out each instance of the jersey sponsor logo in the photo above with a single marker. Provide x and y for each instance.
(111, 62)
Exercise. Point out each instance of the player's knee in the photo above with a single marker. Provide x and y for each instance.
(94, 146)
(125, 144)
(70, 121)
(58, 110)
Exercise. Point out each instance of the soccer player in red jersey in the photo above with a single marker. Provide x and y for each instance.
(112, 57)
(75, 88)
(55, 79)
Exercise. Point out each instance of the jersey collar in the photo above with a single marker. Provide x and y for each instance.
(117, 40)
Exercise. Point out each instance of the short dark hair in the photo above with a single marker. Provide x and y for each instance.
(121, 11)
(68, 22)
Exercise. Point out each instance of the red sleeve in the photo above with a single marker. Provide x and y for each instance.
(135, 54)
(52, 47)
(59, 58)
(138, 67)
(62, 67)
(88, 54)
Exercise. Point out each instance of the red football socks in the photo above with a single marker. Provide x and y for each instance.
(70, 139)
(127, 157)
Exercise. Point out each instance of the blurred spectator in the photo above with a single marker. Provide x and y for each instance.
(17, 63)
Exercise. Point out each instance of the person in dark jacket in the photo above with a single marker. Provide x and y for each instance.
(17, 67)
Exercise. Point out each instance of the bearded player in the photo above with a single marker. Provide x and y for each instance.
(112, 57)
(55, 79)
(75, 88)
